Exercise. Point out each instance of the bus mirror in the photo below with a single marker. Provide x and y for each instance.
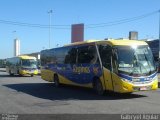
(46, 67)
(39, 67)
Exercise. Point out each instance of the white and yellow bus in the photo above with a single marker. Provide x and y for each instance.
(122, 66)
(22, 65)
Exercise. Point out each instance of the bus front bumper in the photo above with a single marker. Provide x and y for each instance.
(28, 72)
(126, 87)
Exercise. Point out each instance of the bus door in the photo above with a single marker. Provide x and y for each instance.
(115, 77)
(105, 52)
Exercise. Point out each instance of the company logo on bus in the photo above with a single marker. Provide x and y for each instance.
(95, 70)
(81, 69)
(135, 79)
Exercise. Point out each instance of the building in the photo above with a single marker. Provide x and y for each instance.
(16, 47)
(133, 35)
(77, 33)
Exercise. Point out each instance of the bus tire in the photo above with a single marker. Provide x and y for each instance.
(97, 86)
(11, 74)
(19, 73)
(56, 81)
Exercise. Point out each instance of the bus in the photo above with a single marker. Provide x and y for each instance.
(2, 63)
(22, 65)
(122, 66)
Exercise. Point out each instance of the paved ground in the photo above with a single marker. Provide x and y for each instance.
(32, 95)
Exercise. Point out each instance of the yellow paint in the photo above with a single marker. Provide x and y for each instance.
(127, 42)
(155, 85)
(122, 86)
(112, 42)
(47, 75)
(107, 78)
(25, 72)
(83, 42)
(26, 57)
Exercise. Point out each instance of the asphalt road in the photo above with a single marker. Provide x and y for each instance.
(32, 95)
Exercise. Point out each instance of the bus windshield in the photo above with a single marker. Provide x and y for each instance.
(135, 60)
(30, 63)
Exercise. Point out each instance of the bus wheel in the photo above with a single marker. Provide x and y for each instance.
(97, 85)
(56, 81)
(11, 74)
(20, 75)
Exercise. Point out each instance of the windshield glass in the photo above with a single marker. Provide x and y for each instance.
(31, 63)
(136, 60)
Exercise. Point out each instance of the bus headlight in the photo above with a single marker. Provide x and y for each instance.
(126, 80)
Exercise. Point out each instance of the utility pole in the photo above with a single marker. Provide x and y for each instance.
(159, 34)
(14, 34)
(49, 12)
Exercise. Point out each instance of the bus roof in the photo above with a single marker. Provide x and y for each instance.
(26, 57)
(82, 42)
(113, 42)
(126, 42)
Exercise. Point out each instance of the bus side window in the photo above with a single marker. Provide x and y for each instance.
(59, 55)
(17, 62)
(45, 58)
(87, 54)
(70, 57)
(93, 53)
(105, 52)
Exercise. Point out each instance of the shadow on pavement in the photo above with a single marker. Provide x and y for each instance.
(49, 91)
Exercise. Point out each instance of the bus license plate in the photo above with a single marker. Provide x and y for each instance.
(143, 88)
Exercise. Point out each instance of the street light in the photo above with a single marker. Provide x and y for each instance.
(14, 34)
(49, 12)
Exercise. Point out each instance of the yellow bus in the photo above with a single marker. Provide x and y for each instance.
(22, 65)
(122, 66)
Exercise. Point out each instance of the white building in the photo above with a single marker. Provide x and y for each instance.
(16, 47)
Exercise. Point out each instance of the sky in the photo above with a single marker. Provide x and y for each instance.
(28, 20)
